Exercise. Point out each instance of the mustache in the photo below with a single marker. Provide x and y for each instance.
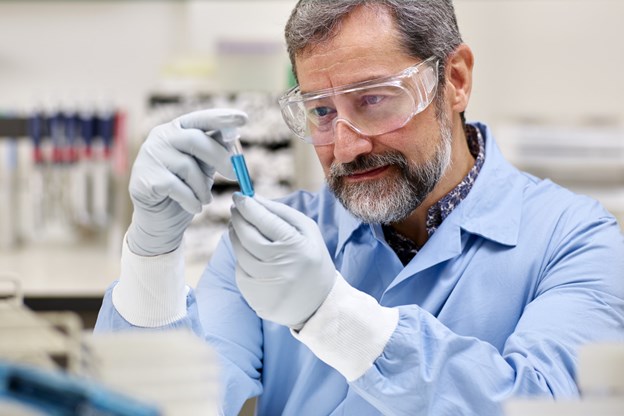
(368, 162)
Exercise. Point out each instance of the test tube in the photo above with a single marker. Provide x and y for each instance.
(230, 139)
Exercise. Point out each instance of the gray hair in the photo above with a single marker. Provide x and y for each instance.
(426, 27)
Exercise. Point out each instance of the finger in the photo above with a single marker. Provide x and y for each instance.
(271, 226)
(256, 256)
(288, 214)
(173, 187)
(245, 260)
(255, 242)
(207, 169)
(212, 119)
(297, 220)
(203, 147)
(190, 171)
(249, 236)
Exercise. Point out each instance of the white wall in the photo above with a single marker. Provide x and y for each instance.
(556, 60)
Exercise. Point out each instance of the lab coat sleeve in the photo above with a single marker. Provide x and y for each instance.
(424, 368)
(232, 328)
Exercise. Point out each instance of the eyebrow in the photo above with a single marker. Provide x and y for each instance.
(370, 79)
(367, 78)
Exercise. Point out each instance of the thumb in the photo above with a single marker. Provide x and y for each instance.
(271, 226)
(295, 218)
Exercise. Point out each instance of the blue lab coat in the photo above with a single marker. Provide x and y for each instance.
(494, 305)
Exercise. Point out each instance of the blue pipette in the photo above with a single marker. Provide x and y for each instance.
(230, 139)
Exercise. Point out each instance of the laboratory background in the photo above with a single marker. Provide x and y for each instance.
(82, 83)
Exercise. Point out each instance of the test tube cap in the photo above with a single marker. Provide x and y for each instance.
(229, 134)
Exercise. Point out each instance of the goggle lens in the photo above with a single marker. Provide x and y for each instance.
(371, 108)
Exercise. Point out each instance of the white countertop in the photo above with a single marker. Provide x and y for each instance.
(61, 270)
(69, 269)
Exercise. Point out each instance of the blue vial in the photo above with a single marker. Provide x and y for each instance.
(230, 138)
(242, 174)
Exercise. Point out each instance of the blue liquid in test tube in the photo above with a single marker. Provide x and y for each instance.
(230, 137)
(242, 174)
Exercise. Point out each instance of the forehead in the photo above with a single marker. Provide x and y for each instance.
(366, 46)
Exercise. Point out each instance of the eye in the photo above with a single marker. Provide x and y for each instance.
(321, 112)
(372, 99)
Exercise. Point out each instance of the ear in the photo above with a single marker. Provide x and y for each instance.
(459, 77)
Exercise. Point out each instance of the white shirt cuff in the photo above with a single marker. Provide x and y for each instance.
(151, 291)
(350, 330)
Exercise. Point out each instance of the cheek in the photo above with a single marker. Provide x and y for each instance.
(414, 143)
(418, 139)
(325, 155)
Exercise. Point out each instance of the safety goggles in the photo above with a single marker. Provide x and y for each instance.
(370, 108)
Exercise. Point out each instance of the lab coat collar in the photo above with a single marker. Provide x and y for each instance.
(491, 210)
(493, 207)
(348, 224)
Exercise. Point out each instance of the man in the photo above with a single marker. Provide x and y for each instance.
(429, 277)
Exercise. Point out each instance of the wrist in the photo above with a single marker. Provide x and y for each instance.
(151, 291)
(349, 330)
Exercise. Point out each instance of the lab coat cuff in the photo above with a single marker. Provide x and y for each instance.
(151, 291)
(349, 331)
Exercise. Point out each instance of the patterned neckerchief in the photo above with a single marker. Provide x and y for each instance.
(405, 248)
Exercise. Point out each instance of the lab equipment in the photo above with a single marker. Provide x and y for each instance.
(83, 169)
(47, 362)
(52, 190)
(33, 169)
(58, 393)
(175, 370)
(46, 340)
(370, 108)
(230, 137)
(583, 155)
(58, 225)
(105, 128)
(39, 360)
(8, 168)
(600, 380)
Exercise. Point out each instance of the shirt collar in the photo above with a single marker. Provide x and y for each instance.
(441, 209)
(405, 248)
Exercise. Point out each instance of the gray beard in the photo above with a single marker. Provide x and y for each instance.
(391, 200)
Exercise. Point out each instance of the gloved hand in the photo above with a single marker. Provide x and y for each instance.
(284, 270)
(172, 178)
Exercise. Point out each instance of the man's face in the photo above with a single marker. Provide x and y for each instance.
(386, 177)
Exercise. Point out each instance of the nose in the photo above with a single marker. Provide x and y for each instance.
(349, 143)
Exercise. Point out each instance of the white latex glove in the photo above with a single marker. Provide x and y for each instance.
(284, 270)
(172, 178)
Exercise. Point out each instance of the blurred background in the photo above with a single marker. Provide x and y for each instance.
(83, 82)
